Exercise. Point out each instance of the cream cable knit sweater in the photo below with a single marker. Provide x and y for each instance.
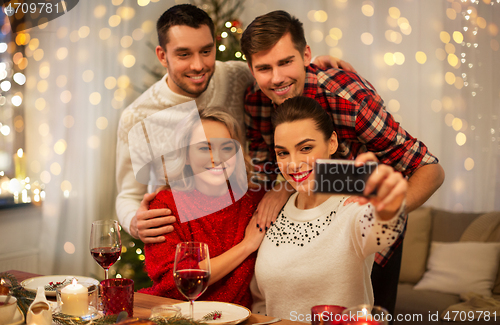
(226, 89)
(319, 256)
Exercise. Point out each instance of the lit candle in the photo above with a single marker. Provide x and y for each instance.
(74, 299)
(20, 164)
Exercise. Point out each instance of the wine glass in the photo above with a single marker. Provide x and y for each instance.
(191, 270)
(105, 243)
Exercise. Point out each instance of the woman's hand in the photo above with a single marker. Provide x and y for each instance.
(360, 160)
(391, 187)
(253, 236)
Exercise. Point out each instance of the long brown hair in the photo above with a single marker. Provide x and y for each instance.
(302, 108)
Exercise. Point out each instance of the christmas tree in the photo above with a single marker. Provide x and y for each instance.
(228, 28)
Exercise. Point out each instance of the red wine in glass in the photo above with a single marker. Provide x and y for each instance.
(191, 270)
(192, 283)
(105, 256)
(105, 243)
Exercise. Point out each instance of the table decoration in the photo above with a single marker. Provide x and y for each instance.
(117, 295)
(52, 282)
(326, 315)
(230, 313)
(73, 299)
(165, 311)
(365, 315)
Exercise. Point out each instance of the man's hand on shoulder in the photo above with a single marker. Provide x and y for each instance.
(150, 225)
(327, 61)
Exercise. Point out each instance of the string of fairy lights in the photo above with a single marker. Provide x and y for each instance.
(18, 50)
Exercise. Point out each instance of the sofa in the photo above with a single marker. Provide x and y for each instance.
(450, 264)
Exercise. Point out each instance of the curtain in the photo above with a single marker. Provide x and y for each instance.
(89, 65)
(95, 60)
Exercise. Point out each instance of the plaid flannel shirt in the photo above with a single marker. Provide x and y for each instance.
(361, 122)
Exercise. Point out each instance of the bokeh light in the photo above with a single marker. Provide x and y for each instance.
(55, 168)
(104, 33)
(62, 53)
(444, 37)
(93, 142)
(102, 123)
(60, 146)
(129, 61)
(69, 248)
(367, 38)
(110, 82)
(114, 20)
(421, 57)
(88, 75)
(393, 105)
(99, 11)
(126, 41)
(394, 12)
(40, 104)
(393, 84)
(95, 98)
(469, 164)
(449, 78)
(84, 31)
(321, 16)
(367, 9)
(66, 96)
(316, 36)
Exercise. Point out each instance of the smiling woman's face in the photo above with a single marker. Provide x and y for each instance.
(212, 157)
(297, 151)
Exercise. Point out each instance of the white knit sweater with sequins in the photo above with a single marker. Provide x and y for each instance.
(320, 256)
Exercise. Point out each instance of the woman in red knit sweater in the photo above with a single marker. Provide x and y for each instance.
(209, 158)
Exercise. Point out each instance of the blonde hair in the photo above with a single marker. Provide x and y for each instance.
(180, 174)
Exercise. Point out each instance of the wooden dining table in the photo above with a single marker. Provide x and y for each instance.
(144, 302)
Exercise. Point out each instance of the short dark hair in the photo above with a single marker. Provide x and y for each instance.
(302, 108)
(266, 30)
(185, 14)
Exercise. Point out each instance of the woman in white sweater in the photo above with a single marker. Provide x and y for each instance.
(320, 251)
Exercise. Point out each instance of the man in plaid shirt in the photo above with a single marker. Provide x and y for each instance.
(279, 58)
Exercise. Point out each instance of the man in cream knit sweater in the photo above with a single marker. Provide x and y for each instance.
(187, 50)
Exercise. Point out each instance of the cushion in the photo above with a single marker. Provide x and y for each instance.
(416, 245)
(461, 267)
(449, 226)
(413, 302)
(485, 228)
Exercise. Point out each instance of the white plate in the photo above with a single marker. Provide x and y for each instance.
(231, 313)
(18, 317)
(32, 284)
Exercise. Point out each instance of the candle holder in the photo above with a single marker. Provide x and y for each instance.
(326, 315)
(80, 305)
(366, 315)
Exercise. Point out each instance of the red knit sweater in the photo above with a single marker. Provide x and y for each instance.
(220, 230)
